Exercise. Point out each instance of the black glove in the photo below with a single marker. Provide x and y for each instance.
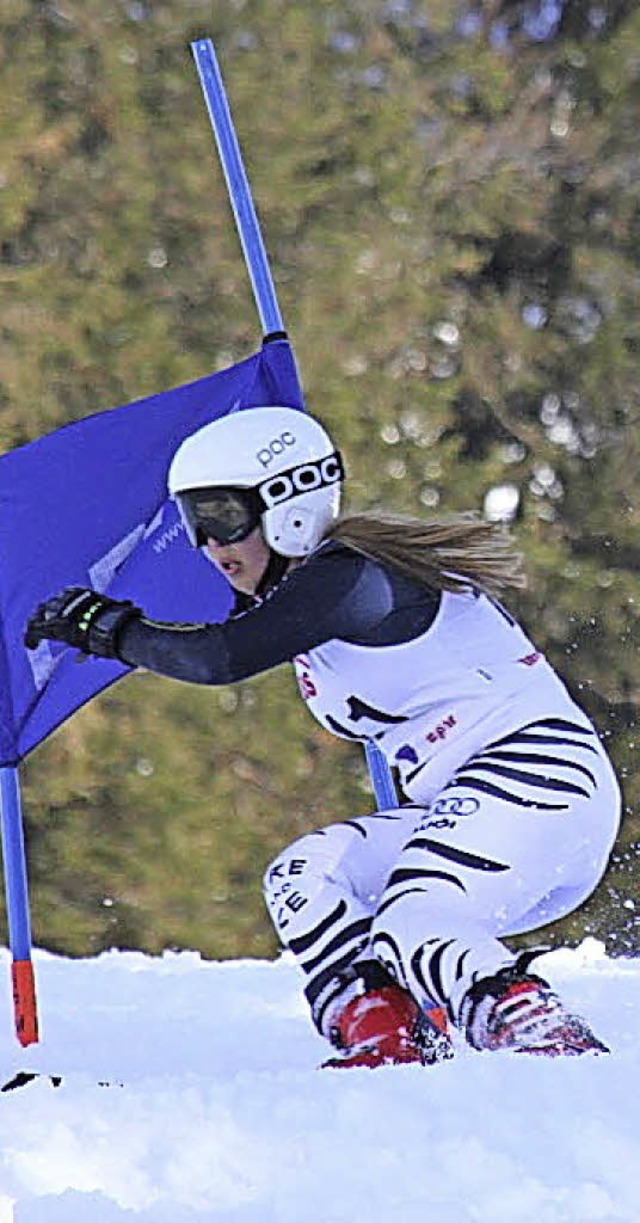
(82, 618)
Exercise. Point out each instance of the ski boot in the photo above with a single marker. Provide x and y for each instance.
(386, 1027)
(518, 1011)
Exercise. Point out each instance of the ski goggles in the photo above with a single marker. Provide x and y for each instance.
(226, 515)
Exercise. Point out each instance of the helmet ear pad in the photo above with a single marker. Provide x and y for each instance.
(290, 530)
(296, 527)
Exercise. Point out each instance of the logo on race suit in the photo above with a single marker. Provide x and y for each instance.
(303, 479)
(302, 668)
(407, 752)
(283, 897)
(445, 812)
(454, 806)
(439, 732)
(442, 729)
(275, 447)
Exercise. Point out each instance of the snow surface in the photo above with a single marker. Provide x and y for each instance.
(223, 1113)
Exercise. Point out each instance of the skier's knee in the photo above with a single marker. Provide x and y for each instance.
(294, 880)
(312, 859)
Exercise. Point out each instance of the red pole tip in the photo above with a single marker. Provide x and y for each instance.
(24, 1002)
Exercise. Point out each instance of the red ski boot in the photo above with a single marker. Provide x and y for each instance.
(386, 1027)
(521, 1013)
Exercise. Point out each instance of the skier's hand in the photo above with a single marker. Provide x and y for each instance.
(81, 618)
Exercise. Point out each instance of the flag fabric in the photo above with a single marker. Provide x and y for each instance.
(87, 505)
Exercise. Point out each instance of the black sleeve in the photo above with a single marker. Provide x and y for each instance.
(336, 593)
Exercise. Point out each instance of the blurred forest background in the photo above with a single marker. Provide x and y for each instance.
(450, 197)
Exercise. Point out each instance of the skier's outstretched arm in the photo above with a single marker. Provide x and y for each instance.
(336, 593)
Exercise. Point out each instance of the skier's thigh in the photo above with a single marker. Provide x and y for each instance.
(506, 858)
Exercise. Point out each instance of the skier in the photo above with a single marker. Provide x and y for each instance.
(509, 806)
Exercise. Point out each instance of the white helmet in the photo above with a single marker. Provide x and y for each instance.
(283, 455)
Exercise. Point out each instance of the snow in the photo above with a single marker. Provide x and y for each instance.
(217, 1108)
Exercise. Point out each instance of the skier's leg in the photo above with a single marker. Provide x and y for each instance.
(321, 894)
(519, 837)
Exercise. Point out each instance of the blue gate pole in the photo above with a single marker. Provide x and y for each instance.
(381, 776)
(238, 186)
(17, 897)
(262, 283)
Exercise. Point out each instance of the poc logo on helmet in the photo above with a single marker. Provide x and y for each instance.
(303, 479)
(275, 447)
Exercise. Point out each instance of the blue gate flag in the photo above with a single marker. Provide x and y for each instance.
(87, 505)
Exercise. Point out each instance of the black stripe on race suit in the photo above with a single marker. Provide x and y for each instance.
(529, 734)
(529, 738)
(391, 900)
(434, 987)
(526, 778)
(459, 966)
(317, 984)
(358, 827)
(343, 731)
(563, 724)
(375, 815)
(337, 942)
(393, 814)
(535, 758)
(405, 873)
(486, 787)
(453, 854)
(381, 941)
(304, 941)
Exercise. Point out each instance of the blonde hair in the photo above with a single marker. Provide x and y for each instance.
(442, 554)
